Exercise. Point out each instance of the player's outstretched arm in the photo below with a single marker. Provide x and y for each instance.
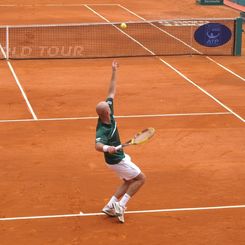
(112, 87)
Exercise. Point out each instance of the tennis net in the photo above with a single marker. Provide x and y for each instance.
(101, 40)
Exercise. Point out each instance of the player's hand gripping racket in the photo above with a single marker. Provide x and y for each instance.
(139, 138)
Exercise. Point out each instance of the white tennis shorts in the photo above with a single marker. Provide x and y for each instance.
(125, 169)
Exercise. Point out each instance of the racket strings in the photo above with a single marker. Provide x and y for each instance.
(144, 135)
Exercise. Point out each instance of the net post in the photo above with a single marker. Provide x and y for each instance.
(238, 37)
(7, 42)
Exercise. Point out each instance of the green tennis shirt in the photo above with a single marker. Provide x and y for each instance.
(107, 134)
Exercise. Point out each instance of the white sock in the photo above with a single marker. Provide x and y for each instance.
(124, 200)
(113, 199)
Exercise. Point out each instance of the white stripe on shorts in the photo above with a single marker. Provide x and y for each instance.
(125, 169)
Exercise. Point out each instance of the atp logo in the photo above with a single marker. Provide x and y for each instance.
(212, 35)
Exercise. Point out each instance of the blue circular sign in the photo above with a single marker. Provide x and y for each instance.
(212, 35)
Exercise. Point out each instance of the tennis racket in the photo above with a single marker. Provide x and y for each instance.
(139, 138)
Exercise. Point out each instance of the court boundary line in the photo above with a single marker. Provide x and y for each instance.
(22, 91)
(126, 116)
(186, 44)
(82, 214)
(170, 66)
(57, 5)
(18, 83)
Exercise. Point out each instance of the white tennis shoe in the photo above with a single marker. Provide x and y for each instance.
(119, 210)
(109, 211)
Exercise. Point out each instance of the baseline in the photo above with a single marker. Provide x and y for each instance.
(81, 214)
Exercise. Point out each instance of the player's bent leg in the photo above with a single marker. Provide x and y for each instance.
(133, 179)
(140, 179)
(133, 186)
(136, 184)
(122, 189)
(109, 209)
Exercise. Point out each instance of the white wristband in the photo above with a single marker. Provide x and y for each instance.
(105, 148)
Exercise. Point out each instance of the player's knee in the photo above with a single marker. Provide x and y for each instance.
(141, 178)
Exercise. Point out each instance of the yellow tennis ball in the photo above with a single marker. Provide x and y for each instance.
(123, 25)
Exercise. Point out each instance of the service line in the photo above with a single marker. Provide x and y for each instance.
(125, 116)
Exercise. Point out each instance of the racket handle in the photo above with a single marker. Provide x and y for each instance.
(119, 147)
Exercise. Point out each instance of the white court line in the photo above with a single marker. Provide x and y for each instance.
(8, 5)
(129, 116)
(3, 52)
(22, 91)
(78, 5)
(176, 115)
(18, 84)
(106, 4)
(225, 68)
(170, 66)
(56, 5)
(81, 214)
(203, 90)
(183, 42)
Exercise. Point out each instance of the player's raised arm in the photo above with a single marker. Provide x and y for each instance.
(112, 87)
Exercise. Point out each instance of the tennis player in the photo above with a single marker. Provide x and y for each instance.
(107, 138)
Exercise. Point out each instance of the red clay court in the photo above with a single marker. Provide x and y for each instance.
(53, 184)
